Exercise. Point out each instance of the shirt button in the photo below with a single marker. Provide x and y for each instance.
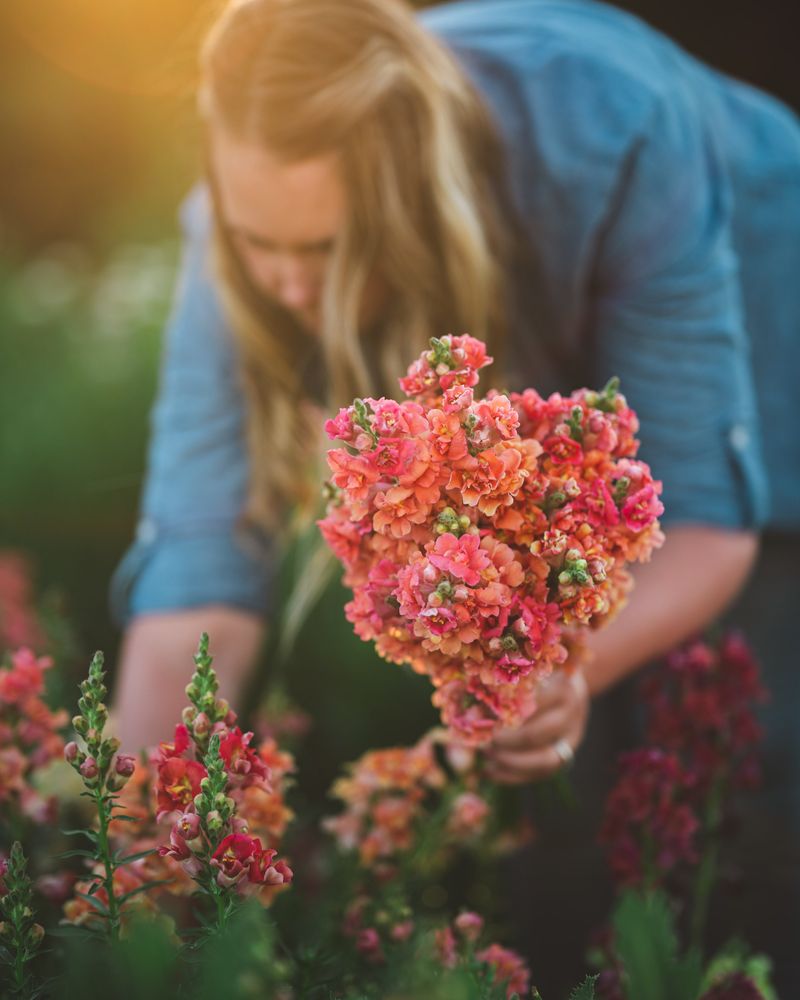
(146, 531)
(739, 437)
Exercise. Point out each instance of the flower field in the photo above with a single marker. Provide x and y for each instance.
(198, 867)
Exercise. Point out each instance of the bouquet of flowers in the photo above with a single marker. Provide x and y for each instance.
(481, 536)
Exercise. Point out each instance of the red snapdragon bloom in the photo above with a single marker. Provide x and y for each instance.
(234, 857)
(178, 784)
(242, 762)
(241, 857)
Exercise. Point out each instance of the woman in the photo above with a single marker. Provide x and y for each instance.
(554, 178)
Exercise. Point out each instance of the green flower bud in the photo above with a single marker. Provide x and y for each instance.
(214, 822)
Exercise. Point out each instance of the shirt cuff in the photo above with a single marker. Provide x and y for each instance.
(163, 571)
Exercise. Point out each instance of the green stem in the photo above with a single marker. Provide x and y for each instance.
(19, 968)
(708, 864)
(108, 865)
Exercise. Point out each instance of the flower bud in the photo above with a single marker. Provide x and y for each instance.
(71, 751)
(36, 933)
(201, 725)
(214, 821)
(188, 716)
(469, 925)
(80, 725)
(89, 768)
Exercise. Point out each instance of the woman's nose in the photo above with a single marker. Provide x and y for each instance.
(296, 285)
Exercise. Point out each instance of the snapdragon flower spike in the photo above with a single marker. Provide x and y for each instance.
(213, 806)
(94, 756)
(20, 935)
(701, 704)
(207, 711)
(650, 826)
(212, 844)
(104, 773)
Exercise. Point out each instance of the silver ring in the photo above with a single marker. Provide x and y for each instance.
(564, 752)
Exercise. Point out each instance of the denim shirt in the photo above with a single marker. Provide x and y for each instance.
(663, 204)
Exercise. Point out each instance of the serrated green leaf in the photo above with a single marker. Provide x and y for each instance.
(647, 944)
(585, 991)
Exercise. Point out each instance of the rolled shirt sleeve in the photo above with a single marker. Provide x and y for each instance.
(667, 317)
(190, 548)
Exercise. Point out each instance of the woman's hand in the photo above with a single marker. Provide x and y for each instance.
(547, 740)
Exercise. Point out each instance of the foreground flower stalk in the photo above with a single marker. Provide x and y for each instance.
(200, 775)
(104, 772)
(20, 935)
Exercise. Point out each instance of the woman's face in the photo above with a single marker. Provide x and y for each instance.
(283, 220)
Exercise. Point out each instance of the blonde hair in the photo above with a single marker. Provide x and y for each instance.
(422, 168)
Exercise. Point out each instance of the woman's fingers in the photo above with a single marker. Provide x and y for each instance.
(518, 767)
(545, 742)
(540, 730)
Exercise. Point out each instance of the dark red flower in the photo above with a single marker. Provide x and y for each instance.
(649, 825)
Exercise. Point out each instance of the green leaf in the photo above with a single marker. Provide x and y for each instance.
(98, 904)
(585, 991)
(646, 942)
(91, 834)
(143, 888)
(77, 853)
(126, 819)
(133, 857)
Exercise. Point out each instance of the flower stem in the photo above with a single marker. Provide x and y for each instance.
(708, 864)
(104, 851)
